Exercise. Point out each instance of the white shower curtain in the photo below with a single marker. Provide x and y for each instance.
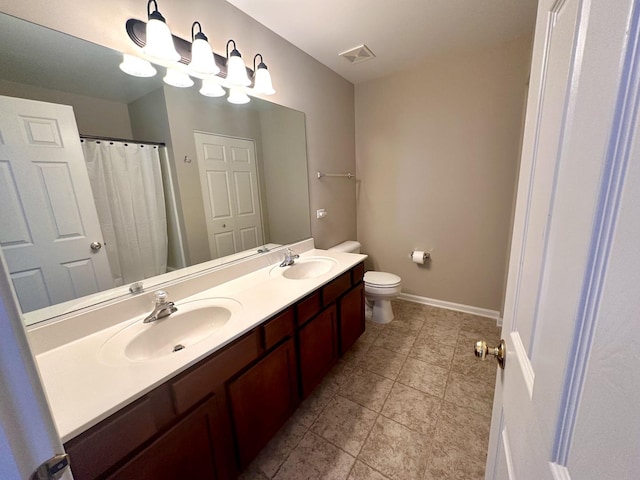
(127, 186)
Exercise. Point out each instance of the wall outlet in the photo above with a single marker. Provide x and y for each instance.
(321, 213)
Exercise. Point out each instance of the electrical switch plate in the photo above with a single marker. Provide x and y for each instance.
(321, 213)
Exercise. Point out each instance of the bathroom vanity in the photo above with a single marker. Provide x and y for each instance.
(211, 415)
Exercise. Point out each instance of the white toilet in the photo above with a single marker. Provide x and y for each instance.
(379, 287)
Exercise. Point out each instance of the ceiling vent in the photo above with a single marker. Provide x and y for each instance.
(358, 54)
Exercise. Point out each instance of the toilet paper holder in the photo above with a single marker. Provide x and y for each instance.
(425, 255)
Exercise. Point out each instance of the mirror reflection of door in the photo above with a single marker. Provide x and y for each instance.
(229, 182)
(47, 213)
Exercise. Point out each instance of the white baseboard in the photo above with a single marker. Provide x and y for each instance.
(481, 312)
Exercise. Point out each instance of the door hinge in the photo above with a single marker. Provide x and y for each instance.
(53, 468)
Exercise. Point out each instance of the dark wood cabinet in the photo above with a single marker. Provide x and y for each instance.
(351, 317)
(211, 420)
(262, 399)
(184, 451)
(318, 347)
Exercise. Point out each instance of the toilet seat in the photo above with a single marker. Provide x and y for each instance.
(381, 279)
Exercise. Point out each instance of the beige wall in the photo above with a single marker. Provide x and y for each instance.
(283, 148)
(301, 82)
(112, 122)
(188, 111)
(437, 157)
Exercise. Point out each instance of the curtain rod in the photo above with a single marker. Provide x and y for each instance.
(125, 140)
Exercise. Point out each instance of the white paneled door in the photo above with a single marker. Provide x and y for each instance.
(47, 211)
(566, 402)
(229, 182)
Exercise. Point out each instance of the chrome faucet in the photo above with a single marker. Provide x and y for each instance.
(162, 309)
(289, 258)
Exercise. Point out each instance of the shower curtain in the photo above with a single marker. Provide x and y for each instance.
(127, 186)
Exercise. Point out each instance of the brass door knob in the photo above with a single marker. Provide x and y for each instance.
(500, 352)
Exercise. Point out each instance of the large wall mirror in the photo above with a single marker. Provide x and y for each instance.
(212, 212)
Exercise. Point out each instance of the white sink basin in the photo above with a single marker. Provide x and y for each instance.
(305, 268)
(193, 322)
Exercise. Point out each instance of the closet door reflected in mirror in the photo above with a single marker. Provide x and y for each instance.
(229, 182)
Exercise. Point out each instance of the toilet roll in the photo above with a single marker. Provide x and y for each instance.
(418, 256)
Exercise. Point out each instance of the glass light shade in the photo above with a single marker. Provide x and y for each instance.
(202, 60)
(211, 88)
(262, 82)
(237, 72)
(136, 66)
(160, 42)
(237, 96)
(177, 78)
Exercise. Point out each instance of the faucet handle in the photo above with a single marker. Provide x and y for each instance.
(160, 297)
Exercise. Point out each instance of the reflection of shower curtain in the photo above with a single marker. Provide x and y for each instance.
(127, 187)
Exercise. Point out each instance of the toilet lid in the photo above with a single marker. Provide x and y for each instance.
(381, 279)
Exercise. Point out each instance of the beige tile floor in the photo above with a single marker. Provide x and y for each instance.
(408, 401)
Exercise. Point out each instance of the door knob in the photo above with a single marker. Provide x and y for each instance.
(95, 246)
(500, 352)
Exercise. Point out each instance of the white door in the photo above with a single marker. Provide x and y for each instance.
(229, 181)
(566, 402)
(28, 436)
(47, 211)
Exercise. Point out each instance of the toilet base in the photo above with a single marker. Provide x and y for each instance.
(379, 310)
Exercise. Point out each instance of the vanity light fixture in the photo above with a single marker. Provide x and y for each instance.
(262, 77)
(137, 66)
(236, 70)
(184, 59)
(159, 41)
(202, 61)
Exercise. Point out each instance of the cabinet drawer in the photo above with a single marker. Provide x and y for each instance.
(308, 308)
(357, 274)
(336, 288)
(101, 447)
(278, 328)
(184, 451)
(199, 382)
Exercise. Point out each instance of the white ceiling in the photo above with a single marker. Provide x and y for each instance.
(401, 33)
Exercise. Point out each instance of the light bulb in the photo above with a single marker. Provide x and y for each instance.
(236, 71)
(159, 41)
(211, 88)
(237, 96)
(262, 83)
(177, 78)
(202, 60)
(136, 66)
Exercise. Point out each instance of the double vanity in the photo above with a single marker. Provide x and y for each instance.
(198, 393)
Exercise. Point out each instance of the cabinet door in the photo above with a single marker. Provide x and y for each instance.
(318, 348)
(262, 399)
(351, 317)
(184, 451)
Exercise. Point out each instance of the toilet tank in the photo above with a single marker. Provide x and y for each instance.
(350, 246)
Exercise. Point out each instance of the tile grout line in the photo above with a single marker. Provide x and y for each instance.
(359, 363)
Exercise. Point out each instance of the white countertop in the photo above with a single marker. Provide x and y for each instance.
(83, 388)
